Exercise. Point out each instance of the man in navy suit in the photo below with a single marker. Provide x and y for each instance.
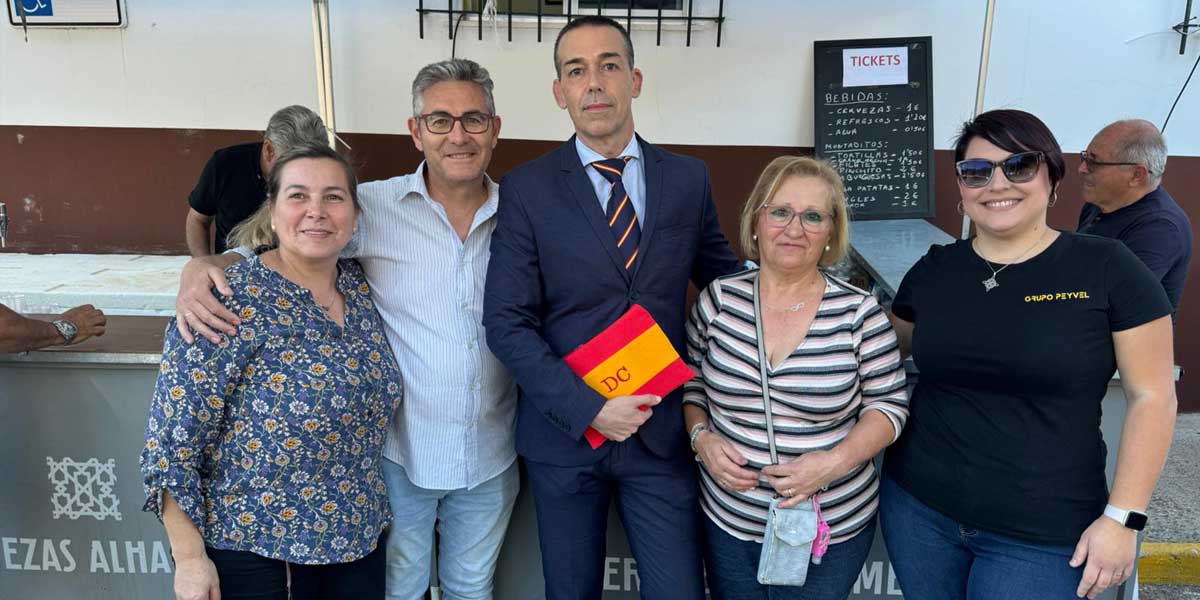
(603, 222)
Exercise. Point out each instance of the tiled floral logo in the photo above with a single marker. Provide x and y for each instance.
(83, 489)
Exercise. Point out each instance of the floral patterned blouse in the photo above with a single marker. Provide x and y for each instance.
(271, 441)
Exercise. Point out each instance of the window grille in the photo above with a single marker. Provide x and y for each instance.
(635, 11)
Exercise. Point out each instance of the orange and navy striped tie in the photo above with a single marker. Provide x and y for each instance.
(622, 219)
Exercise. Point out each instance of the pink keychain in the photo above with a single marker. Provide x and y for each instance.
(821, 543)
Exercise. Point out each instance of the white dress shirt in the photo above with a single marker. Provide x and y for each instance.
(631, 177)
(456, 426)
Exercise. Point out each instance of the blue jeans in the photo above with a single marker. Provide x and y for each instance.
(471, 524)
(732, 568)
(934, 556)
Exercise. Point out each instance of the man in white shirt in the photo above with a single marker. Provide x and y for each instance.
(423, 240)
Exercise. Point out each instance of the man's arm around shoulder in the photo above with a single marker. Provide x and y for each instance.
(196, 309)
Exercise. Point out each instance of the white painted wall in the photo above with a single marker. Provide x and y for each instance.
(1072, 64)
(228, 65)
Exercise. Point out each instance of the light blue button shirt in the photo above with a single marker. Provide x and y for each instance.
(633, 176)
(456, 426)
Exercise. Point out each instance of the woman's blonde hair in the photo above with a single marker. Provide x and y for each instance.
(255, 231)
(768, 183)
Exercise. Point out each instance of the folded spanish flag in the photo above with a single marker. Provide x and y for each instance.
(632, 356)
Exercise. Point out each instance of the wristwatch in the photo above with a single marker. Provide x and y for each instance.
(67, 329)
(1129, 518)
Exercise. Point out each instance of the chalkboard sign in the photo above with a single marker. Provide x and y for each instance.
(874, 123)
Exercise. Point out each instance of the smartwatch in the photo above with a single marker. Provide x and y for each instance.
(1131, 519)
(67, 329)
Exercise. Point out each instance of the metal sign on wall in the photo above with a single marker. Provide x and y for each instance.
(66, 13)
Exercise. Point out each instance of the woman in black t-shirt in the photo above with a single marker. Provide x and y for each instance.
(996, 488)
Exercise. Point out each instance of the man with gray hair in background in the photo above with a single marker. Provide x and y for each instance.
(233, 183)
(423, 240)
(1122, 171)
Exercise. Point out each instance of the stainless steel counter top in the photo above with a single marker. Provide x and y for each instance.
(887, 249)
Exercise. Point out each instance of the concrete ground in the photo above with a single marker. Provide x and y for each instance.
(1169, 592)
(1175, 507)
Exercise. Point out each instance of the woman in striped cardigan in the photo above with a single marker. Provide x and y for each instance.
(836, 383)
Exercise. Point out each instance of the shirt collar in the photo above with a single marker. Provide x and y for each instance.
(1147, 202)
(417, 186)
(587, 156)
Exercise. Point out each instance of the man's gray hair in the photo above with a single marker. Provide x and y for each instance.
(454, 69)
(295, 126)
(1144, 145)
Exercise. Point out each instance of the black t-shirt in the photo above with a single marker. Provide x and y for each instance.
(231, 188)
(1004, 425)
(1156, 229)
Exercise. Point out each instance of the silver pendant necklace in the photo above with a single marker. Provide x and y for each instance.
(797, 307)
(990, 283)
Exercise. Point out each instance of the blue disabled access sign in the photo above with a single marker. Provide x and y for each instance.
(33, 8)
(66, 13)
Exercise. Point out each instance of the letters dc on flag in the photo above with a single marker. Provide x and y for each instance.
(631, 356)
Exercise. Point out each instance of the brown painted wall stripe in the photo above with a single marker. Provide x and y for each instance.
(124, 190)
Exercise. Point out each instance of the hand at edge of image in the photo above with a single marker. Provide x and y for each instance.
(88, 320)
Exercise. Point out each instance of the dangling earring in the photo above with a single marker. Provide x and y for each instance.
(959, 208)
(754, 237)
(827, 247)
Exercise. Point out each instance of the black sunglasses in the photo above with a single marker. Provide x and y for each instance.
(1092, 162)
(1018, 168)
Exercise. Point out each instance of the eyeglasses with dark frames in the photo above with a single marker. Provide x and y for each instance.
(1018, 168)
(443, 123)
(812, 221)
(1090, 160)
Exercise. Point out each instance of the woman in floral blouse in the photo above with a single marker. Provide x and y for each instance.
(263, 451)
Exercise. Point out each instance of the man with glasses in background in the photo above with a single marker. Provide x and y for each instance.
(1122, 172)
(423, 240)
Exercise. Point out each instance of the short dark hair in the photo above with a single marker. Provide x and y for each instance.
(1015, 131)
(592, 21)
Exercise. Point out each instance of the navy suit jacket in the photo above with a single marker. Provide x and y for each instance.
(555, 279)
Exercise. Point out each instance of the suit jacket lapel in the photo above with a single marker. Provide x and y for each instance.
(580, 186)
(652, 172)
